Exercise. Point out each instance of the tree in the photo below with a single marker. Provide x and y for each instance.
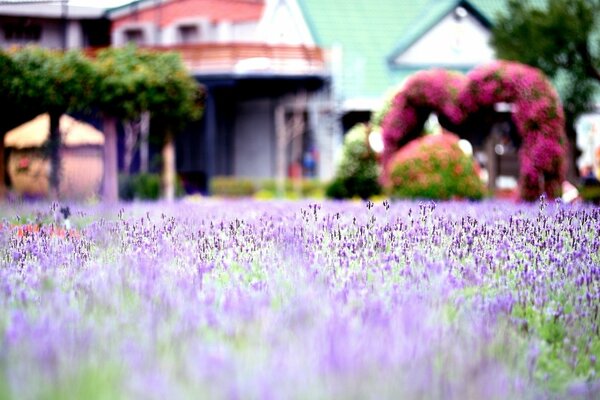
(133, 81)
(54, 82)
(174, 99)
(558, 39)
(122, 90)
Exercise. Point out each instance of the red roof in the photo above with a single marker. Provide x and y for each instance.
(168, 12)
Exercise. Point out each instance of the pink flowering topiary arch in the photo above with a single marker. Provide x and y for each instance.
(436, 90)
(537, 114)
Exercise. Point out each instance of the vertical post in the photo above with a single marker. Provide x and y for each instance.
(63, 16)
(110, 185)
(492, 161)
(210, 146)
(157, 22)
(168, 167)
(296, 137)
(281, 156)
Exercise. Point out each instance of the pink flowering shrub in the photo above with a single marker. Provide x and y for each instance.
(434, 167)
(436, 91)
(537, 114)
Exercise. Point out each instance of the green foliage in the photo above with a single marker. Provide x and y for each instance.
(124, 82)
(225, 186)
(54, 81)
(139, 187)
(134, 80)
(8, 72)
(561, 39)
(590, 193)
(229, 186)
(358, 171)
(302, 188)
(434, 167)
(561, 358)
(379, 114)
(174, 96)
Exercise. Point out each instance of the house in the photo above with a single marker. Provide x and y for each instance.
(55, 24)
(373, 47)
(267, 105)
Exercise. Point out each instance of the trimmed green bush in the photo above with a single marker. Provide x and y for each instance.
(434, 167)
(143, 186)
(139, 187)
(301, 188)
(229, 186)
(358, 171)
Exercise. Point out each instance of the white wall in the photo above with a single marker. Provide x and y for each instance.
(74, 35)
(244, 31)
(283, 23)
(254, 143)
(452, 42)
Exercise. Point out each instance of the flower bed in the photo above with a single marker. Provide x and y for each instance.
(244, 299)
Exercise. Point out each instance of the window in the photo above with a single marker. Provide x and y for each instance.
(22, 32)
(135, 36)
(189, 34)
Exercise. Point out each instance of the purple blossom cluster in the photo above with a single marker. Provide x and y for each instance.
(537, 114)
(269, 300)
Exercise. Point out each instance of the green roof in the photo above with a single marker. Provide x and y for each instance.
(369, 32)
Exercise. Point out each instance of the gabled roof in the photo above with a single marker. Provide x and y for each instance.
(370, 31)
(216, 10)
(431, 16)
(366, 31)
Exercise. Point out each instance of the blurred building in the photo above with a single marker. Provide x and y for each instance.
(268, 105)
(52, 24)
(284, 78)
(372, 47)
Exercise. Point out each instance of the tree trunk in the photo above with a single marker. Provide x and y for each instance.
(54, 144)
(144, 146)
(110, 185)
(3, 189)
(168, 167)
(131, 130)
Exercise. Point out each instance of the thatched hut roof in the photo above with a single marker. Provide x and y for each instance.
(35, 132)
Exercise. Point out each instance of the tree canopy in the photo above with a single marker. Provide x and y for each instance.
(562, 39)
(132, 81)
(120, 83)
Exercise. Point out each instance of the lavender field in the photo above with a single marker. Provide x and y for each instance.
(296, 300)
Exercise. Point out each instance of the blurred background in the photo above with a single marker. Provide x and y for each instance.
(284, 80)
